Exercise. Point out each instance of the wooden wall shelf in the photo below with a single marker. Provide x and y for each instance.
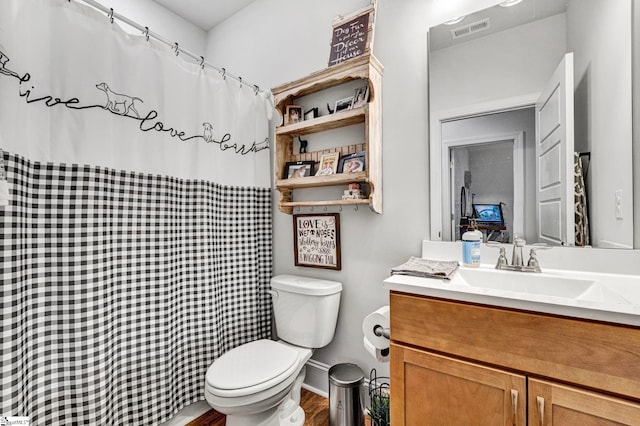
(318, 181)
(365, 67)
(321, 124)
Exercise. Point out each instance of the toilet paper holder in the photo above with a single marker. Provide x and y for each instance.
(380, 331)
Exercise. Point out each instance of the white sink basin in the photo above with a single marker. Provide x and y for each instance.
(550, 285)
(590, 295)
(526, 282)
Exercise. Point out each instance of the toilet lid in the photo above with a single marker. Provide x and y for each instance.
(251, 364)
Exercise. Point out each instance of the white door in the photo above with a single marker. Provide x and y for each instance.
(554, 158)
(454, 202)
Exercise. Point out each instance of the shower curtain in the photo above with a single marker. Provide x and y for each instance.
(135, 212)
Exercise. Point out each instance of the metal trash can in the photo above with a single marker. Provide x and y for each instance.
(346, 399)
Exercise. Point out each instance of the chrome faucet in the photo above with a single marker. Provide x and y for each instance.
(516, 258)
(517, 263)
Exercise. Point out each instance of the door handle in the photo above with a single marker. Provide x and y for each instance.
(540, 402)
(514, 407)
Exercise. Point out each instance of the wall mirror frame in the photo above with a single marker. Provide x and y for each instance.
(616, 233)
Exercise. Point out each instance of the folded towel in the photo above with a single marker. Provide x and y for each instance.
(426, 268)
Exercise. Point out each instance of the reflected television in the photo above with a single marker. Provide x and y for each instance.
(488, 214)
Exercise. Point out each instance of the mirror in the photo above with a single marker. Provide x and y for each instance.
(487, 75)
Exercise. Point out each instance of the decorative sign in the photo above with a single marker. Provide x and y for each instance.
(316, 240)
(351, 37)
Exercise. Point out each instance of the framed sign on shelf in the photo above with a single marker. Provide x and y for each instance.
(352, 36)
(316, 240)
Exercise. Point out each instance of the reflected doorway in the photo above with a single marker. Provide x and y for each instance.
(488, 158)
(483, 174)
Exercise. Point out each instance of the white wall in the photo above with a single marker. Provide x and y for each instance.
(510, 63)
(602, 52)
(160, 21)
(275, 41)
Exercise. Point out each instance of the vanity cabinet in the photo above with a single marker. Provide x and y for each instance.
(458, 363)
(552, 403)
(432, 389)
(365, 67)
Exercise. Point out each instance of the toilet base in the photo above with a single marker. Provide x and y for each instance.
(295, 419)
(287, 413)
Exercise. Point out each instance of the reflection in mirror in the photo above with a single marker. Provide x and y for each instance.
(496, 101)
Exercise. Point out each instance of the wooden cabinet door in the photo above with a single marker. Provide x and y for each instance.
(429, 389)
(551, 403)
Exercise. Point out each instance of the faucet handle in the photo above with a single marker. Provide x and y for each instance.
(533, 259)
(502, 257)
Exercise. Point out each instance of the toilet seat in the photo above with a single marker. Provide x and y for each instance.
(252, 368)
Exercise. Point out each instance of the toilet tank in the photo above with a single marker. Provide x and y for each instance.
(305, 309)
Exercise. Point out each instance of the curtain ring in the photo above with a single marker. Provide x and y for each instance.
(111, 15)
(240, 78)
(202, 62)
(146, 33)
(257, 89)
(224, 73)
(176, 48)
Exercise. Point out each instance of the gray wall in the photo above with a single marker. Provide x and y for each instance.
(506, 64)
(602, 53)
(160, 21)
(275, 41)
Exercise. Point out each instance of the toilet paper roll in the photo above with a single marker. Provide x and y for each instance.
(375, 352)
(381, 318)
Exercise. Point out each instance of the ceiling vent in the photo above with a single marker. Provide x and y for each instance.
(468, 29)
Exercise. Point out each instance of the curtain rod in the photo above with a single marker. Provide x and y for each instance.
(147, 33)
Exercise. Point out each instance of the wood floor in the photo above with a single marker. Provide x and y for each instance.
(315, 407)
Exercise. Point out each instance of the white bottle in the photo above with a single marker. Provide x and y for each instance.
(471, 247)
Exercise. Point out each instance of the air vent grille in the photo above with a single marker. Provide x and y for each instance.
(468, 29)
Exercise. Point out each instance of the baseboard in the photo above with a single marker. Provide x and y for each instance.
(317, 378)
(315, 390)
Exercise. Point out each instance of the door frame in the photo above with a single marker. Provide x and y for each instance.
(517, 148)
(437, 118)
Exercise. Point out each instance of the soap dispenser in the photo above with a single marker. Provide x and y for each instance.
(471, 246)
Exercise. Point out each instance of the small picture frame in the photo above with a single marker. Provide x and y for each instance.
(298, 169)
(360, 97)
(352, 163)
(294, 114)
(328, 164)
(312, 113)
(344, 104)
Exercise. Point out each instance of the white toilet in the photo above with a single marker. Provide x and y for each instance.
(258, 383)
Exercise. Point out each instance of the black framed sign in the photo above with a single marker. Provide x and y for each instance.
(316, 240)
(352, 36)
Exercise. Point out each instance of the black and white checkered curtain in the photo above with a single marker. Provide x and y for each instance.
(120, 288)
